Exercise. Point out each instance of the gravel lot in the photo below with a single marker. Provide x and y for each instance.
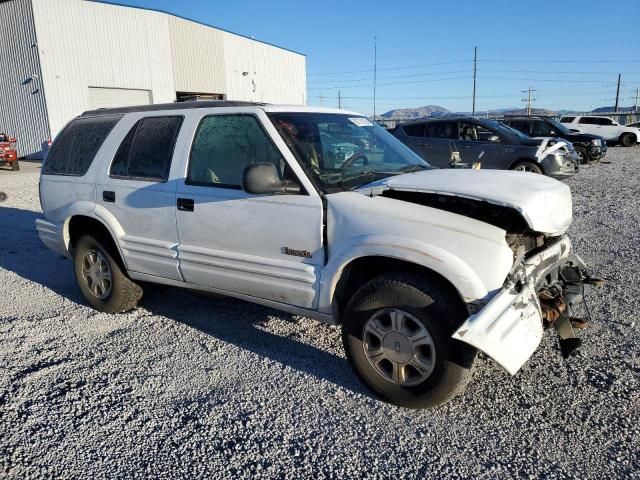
(198, 386)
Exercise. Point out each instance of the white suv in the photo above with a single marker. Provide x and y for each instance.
(319, 213)
(604, 127)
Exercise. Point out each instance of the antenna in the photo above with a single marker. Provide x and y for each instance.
(475, 70)
(375, 71)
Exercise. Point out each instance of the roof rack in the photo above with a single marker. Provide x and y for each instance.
(171, 106)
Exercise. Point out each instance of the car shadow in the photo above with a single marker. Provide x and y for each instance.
(240, 323)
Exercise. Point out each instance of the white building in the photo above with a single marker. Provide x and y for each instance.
(60, 58)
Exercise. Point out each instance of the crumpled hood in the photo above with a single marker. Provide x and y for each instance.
(544, 203)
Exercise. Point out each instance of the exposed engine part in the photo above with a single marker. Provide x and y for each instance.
(529, 242)
(507, 218)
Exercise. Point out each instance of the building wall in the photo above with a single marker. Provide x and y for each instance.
(23, 111)
(83, 44)
(88, 44)
(197, 53)
(260, 72)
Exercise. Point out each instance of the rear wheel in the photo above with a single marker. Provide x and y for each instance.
(627, 139)
(525, 166)
(101, 278)
(396, 334)
(583, 157)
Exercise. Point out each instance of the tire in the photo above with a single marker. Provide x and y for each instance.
(15, 166)
(526, 166)
(427, 310)
(583, 156)
(627, 139)
(119, 294)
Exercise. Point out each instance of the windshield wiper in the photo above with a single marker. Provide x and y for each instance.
(372, 174)
(413, 168)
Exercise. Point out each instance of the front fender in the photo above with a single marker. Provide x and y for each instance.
(456, 271)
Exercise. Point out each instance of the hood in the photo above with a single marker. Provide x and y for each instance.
(580, 137)
(543, 203)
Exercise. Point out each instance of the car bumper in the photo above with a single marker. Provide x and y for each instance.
(560, 166)
(510, 326)
(52, 235)
(597, 152)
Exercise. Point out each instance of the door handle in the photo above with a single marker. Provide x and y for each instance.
(185, 204)
(109, 196)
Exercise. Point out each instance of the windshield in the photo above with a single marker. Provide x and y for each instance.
(343, 152)
(514, 131)
(558, 126)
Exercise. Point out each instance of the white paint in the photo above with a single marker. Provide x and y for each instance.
(544, 202)
(606, 128)
(100, 97)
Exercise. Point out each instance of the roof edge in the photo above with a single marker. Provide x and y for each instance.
(157, 10)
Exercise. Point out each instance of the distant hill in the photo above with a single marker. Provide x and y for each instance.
(611, 109)
(415, 113)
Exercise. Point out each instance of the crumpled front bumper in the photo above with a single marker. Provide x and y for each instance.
(509, 327)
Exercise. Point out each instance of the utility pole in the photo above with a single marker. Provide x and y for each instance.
(475, 70)
(618, 93)
(529, 91)
(375, 72)
(321, 98)
(339, 100)
(636, 98)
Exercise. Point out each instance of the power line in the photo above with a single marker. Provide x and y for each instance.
(413, 75)
(561, 61)
(400, 67)
(343, 87)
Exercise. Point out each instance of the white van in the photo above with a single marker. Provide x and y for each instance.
(318, 212)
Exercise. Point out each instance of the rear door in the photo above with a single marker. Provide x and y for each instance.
(134, 191)
(608, 129)
(438, 142)
(589, 125)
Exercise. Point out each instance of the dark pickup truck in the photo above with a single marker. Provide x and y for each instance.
(590, 148)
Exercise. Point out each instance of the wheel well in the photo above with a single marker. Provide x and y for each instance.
(81, 225)
(628, 133)
(363, 269)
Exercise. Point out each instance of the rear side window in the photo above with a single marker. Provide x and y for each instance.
(567, 119)
(77, 145)
(415, 130)
(521, 125)
(588, 121)
(445, 130)
(146, 151)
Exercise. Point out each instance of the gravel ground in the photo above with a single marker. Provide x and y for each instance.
(198, 386)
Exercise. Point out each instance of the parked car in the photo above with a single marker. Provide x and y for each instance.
(634, 125)
(590, 148)
(464, 141)
(421, 267)
(8, 153)
(604, 127)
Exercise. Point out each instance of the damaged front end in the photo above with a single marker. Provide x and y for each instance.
(542, 290)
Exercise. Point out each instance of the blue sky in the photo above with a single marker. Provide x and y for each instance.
(570, 51)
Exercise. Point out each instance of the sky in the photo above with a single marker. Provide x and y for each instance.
(570, 52)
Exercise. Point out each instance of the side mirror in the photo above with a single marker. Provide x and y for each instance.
(263, 178)
(494, 139)
(553, 133)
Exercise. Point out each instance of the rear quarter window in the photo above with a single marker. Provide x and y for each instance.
(415, 130)
(567, 119)
(76, 146)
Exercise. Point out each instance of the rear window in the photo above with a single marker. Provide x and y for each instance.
(76, 146)
(415, 130)
(567, 119)
(589, 121)
(146, 151)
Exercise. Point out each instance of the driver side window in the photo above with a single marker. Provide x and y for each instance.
(224, 145)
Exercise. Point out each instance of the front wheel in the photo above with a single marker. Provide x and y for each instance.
(396, 333)
(627, 139)
(583, 156)
(525, 166)
(15, 166)
(101, 279)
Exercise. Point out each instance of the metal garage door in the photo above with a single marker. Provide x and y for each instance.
(117, 97)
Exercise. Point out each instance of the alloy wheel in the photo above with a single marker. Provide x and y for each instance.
(96, 273)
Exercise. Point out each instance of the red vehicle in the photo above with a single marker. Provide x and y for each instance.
(8, 152)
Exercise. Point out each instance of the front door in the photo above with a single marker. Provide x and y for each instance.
(135, 191)
(264, 246)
